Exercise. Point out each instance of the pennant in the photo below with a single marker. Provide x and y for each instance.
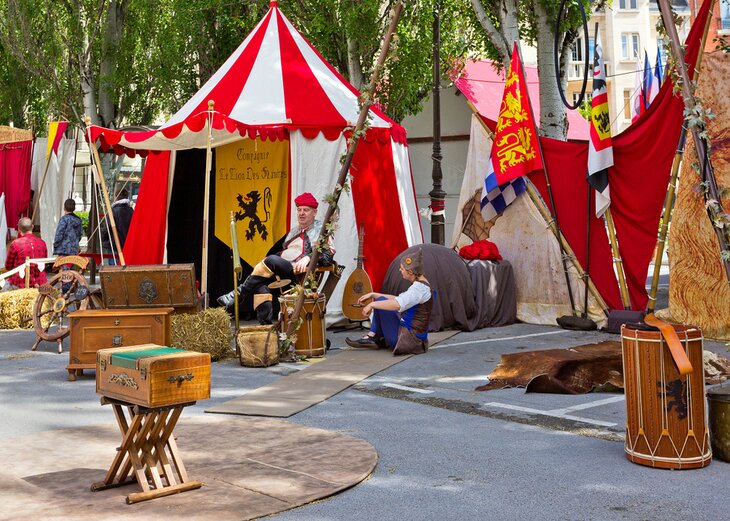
(496, 197)
(600, 147)
(56, 130)
(648, 80)
(252, 181)
(515, 151)
(637, 100)
(656, 79)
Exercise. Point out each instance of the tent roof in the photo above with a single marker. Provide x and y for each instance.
(274, 81)
(483, 86)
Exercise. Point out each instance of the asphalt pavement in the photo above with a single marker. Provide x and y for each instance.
(445, 451)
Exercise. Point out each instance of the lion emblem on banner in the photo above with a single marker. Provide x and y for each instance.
(249, 205)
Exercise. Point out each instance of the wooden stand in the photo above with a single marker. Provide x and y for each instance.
(148, 453)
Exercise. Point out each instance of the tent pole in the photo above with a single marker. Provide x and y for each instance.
(367, 101)
(671, 192)
(711, 194)
(545, 213)
(102, 182)
(206, 208)
(617, 262)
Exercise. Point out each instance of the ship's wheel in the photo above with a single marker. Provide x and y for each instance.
(65, 292)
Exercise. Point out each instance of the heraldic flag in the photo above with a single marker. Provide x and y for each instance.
(515, 151)
(56, 130)
(600, 149)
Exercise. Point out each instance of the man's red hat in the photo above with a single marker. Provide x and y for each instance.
(306, 199)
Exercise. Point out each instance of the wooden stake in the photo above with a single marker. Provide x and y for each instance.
(206, 208)
(341, 179)
(102, 182)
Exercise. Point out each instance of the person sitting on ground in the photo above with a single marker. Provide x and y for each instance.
(69, 231)
(122, 212)
(400, 323)
(26, 246)
(294, 259)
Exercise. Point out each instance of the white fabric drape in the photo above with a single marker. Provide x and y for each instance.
(315, 165)
(57, 187)
(406, 194)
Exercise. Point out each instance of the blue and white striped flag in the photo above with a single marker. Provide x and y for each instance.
(495, 198)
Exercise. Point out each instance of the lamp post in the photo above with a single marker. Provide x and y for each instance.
(437, 194)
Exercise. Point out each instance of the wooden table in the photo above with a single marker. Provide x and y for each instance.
(148, 453)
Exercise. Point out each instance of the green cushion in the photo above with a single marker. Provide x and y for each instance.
(128, 359)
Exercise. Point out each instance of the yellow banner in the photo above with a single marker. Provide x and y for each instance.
(252, 182)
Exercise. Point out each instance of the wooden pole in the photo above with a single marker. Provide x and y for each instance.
(711, 193)
(102, 182)
(206, 208)
(342, 178)
(617, 262)
(236, 272)
(545, 213)
(671, 193)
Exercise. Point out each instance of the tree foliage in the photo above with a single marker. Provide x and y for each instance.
(131, 62)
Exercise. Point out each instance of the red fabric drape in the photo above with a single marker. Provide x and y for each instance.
(15, 165)
(375, 194)
(145, 242)
(643, 157)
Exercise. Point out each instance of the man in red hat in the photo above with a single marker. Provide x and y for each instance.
(294, 259)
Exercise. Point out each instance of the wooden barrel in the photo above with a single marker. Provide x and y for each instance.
(258, 346)
(311, 337)
(665, 412)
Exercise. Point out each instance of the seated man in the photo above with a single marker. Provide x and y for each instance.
(25, 246)
(294, 259)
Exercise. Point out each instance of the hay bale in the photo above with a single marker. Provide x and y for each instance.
(16, 308)
(207, 331)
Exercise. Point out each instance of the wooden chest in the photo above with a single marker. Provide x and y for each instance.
(96, 329)
(149, 286)
(153, 376)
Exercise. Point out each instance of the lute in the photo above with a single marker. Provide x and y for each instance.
(358, 284)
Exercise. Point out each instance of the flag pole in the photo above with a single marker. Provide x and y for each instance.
(617, 261)
(671, 194)
(553, 221)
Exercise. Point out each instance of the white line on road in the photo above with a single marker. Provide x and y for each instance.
(589, 405)
(409, 389)
(550, 413)
(499, 339)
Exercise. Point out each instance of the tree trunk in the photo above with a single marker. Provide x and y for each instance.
(553, 118)
(354, 68)
(115, 15)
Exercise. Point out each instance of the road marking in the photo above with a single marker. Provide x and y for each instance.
(409, 389)
(450, 379)
(589, 405)
(550, 413)
(499, 339)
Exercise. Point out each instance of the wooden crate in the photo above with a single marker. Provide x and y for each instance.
(96, 329)
(153, 376)
(149, 286)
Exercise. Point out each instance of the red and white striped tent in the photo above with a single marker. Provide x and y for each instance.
(277, 86)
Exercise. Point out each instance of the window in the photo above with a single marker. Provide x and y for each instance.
(627, 103)
(725, 14)
(629, 46)
(627, 4)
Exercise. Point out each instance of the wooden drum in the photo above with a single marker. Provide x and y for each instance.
(311, 337)
(665, 412)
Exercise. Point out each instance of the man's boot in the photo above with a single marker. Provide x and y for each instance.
(263, 305)
(227, 300)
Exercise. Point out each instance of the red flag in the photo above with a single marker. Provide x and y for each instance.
(515, 151)
(56, 130)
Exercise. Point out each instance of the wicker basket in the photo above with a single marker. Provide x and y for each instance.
(258, 346)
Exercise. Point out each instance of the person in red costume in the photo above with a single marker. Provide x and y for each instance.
(292, 260)
(25, 246)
